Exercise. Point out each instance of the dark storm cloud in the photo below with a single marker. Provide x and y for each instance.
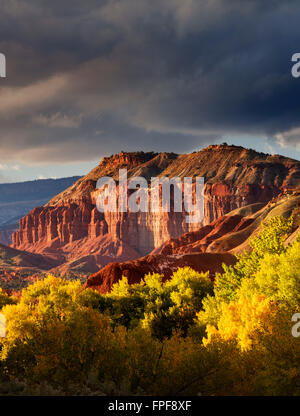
(94, 77)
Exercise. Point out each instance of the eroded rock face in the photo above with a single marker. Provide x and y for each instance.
(222, 198)
(56, 226)
(205, 249)
(235, 177)
(199, 241)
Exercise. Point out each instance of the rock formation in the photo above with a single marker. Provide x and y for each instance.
(205, 249)
(70, 224)
(17, 199)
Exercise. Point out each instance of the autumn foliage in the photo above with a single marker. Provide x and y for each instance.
(184, 336)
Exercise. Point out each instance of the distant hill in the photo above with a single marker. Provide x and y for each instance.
(34, 190)
(17, 199)
(10, 259)
(18, 268)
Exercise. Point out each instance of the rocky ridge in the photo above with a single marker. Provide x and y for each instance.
(71, 225)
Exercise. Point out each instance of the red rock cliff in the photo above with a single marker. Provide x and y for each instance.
(235, 177)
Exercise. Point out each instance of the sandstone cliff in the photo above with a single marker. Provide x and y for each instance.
(17, 199)
(70, 225)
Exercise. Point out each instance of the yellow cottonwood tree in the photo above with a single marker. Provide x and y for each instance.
(241, 319)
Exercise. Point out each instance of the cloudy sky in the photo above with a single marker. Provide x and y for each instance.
(88, 78)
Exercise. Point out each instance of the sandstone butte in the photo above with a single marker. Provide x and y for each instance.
(70, 230)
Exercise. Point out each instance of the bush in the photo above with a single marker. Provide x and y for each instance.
(184, 336)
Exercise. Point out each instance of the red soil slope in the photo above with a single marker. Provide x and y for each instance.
(135, 270)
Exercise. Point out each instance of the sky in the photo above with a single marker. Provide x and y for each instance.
(89, 78)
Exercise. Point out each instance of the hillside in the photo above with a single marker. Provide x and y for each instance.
(205, 249)
(71, 226)
(12, 259)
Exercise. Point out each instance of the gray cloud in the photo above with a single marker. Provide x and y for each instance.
(96, 77)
